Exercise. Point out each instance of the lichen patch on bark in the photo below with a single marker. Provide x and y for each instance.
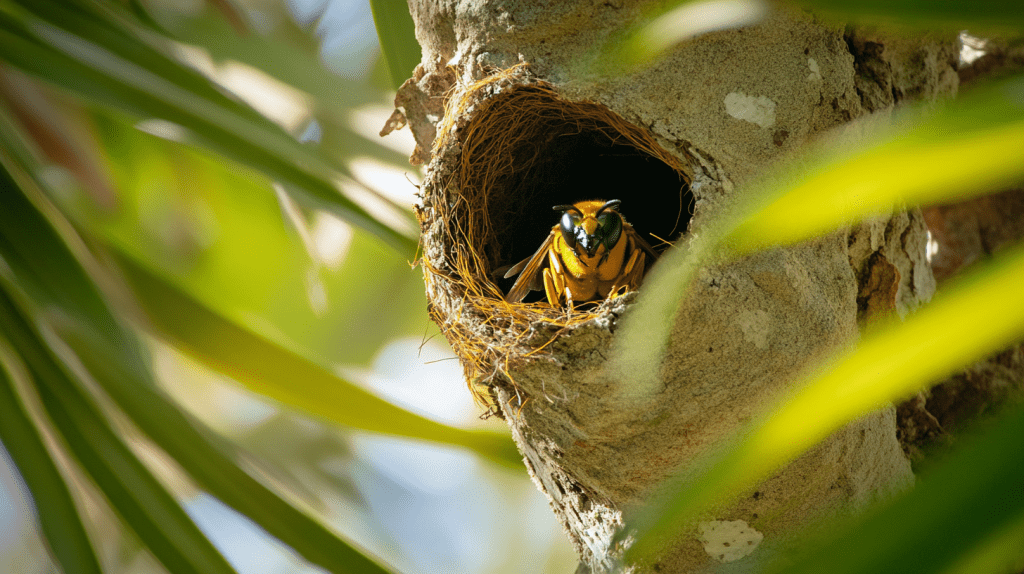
(728, 540)
(754, 109)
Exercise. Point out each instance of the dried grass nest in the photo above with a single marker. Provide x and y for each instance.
(508, 149)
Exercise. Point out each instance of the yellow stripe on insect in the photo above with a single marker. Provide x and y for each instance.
(591, 254)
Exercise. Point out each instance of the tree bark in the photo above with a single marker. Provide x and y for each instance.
(726, 106)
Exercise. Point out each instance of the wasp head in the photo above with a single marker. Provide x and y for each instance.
(589, 224)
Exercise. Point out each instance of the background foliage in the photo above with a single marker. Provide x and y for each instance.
(190, 206)
(208, 304)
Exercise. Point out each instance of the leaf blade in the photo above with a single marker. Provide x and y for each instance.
(40, 263)
(971, 496)
(983, 312)
(397, 35)
(285, 376)
(55, 508)
(802, 199)
(86, 67)
(137, 496)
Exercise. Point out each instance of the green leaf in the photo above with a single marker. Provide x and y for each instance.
(91, 67)
(666, 24)
(111, 30)
(34, 253)
(203, 224)
(982, 312)
(670, 23)
(970, 147)
(285, 376)
(948, 15)
(41, 263)
(966, 148)
(959, 506)
(289, 54)
(397, 34)
(209, 462)
(141, 501)
(55, 508)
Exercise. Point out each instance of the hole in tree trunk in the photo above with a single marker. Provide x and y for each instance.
(509, 148)
(526, 150)
(573, 165)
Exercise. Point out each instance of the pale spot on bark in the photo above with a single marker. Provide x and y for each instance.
(755, 327)
(815, 71)
(729, 540)
(755, 109)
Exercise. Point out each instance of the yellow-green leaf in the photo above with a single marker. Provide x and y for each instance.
(982, 313)
(285, 376)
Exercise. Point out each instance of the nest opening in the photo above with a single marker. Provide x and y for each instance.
(526, 150)
(572, 166)
(510, 148)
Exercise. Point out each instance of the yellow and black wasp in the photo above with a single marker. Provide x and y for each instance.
(591, 254)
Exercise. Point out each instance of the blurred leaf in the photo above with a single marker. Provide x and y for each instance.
(36, 253)
(141, 501)
(91, 66)
(949, 15)
(41, 264)
(982, 312)
(57, 133)
(226, 226)
(282, 375)
(112, 31)
(312, 463)
(397, 34)
(967, 148)
(970, 147)
(55, 508)
(289, 56)
(206, 223)
(670, 23)
(1001, 552)
(206, 460)
(971, 497)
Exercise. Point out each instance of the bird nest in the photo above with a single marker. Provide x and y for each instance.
(508, 149)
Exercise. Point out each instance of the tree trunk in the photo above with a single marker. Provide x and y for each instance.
(506, 101)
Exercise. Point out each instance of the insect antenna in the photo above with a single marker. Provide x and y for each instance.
(564, 208)
(610, 204)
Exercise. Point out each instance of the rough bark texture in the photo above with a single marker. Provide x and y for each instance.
(963, 233)
(1003, 56)
(728, 104)
(971, 230)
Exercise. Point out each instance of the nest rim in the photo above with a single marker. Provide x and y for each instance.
(471, 157)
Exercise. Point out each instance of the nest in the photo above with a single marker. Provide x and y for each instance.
(510, 148)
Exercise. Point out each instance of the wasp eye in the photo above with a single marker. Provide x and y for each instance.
(567, 226)
(609, 228)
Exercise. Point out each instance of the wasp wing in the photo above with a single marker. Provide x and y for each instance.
(641, 243)
(510, 270)
(529, 272)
